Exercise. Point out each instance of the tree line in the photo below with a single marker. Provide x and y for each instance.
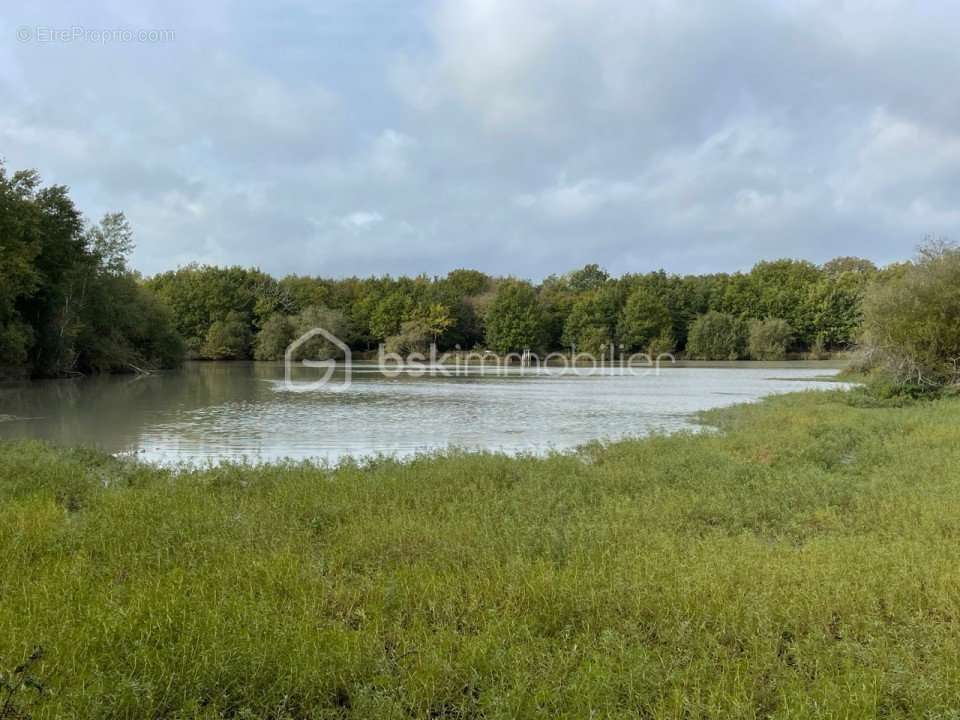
(69, 304)
(777, 308)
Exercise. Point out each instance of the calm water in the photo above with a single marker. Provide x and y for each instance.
(216, 411)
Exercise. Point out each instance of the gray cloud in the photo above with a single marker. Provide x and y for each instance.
(526, 138)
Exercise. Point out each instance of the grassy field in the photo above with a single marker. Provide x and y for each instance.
(802, 563)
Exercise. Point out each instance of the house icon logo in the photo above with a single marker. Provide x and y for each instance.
(330, 380)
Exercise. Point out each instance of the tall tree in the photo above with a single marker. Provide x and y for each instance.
(645, 322)
(514, 320)
(591, 325)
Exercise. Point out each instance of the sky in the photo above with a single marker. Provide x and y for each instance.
(521, 137)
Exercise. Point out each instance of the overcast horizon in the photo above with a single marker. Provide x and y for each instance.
(517, 138)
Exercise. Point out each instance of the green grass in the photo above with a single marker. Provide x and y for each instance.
(803, 563)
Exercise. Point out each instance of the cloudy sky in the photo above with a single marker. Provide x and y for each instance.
(514, 136)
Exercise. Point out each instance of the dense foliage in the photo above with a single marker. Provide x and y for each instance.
(645, 322)
(515, 318)
(586, 309)
(911, 325)
(800, 565)
(769, 339)
(716, 336)
(406, 311)
(68, 303)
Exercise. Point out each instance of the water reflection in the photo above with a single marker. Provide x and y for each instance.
(216, 411)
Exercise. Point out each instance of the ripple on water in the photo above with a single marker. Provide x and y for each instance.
(211, 412)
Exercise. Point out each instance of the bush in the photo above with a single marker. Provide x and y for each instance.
(228, 339)
(715, 336)
(414, 336)
(882, 391)
(319, 347)
(662, 344)
(274, 338)
(911, 321)
(769, 339)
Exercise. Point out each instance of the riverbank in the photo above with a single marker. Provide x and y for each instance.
(801, 563)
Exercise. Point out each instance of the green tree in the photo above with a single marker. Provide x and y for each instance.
(414, 336)
(68, 303)
(461, 291)
(911, 319)
(228, 339)
(53, 308)
(557, 299)
(589, 277)
(716, 336)
(111, 243)
(591, 325)
(645, 322)
(390, 312)
(16, 337)
(841, 265)
(784, 291)
(739, 295)
(836, 304)
(769, 339)
(434, 318)
(514, 320)
(304, 291)
(20, 244)
(200, 295)
(123, 326)
(466, 283)
(319, 347)
(274, 338)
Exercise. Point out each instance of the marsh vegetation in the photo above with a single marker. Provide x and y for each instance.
(800, 563)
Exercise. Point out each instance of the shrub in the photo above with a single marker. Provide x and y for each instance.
(273, 338)
(715, 336)
(662, 344)
(227, 339)
(769, 339)
(882, 391)
(414, 336)
(319, 347)
(911, 323)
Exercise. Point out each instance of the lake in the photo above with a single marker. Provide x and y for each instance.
(211, 412)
